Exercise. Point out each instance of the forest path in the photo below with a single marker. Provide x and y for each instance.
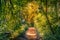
(30, 34)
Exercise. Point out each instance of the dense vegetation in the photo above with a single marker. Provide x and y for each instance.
(17, 15)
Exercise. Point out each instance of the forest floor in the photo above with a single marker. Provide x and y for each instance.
(23, 36)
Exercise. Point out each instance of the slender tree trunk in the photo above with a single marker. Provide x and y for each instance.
(11, 3)
(0, 5)
(5, 2)
(48, 19)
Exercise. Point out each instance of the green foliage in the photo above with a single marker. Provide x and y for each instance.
(17, 15)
